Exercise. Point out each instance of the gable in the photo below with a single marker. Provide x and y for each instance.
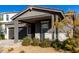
(32, 13)
(37, 11)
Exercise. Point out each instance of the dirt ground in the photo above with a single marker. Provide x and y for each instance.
(29, 49)
(8, 46)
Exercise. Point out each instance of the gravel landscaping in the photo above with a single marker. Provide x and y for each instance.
(8, 46)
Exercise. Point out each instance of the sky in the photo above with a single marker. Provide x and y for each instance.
(18, 8)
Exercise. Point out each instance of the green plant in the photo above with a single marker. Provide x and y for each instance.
(70, 44)
(10, 49)
(1, 36)
(56, 44)
(36, 42)
(76, 34)
(22, 51)
(46, 43)
(76, 50)
(26, 41)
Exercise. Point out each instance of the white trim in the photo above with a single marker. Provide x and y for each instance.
(37, 35)
(7, 33)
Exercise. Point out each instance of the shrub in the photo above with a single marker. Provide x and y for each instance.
(70, 44)
(22, 51)
(76, 34)
(36, 42)
(76, 50)
(46, 43)
(56, 44)
(26, 41)
(1, 36)
(10, 49)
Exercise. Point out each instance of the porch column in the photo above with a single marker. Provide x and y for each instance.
(52, 26)
(57, 21)
(27, 29)
(15, 31)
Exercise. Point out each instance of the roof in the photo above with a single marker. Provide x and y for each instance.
(40, 9)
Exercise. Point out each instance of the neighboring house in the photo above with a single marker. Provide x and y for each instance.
(5, 18)
(36, 22)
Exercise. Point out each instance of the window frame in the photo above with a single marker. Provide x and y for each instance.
(7, 17)
(1, 17)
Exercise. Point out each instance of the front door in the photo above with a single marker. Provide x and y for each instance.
(22, 32)
(44, 28)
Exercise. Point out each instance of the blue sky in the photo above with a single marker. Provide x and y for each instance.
(17, 8)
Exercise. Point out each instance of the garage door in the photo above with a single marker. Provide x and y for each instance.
(22, 32)
(11, 33)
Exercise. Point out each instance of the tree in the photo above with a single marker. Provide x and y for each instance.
(76, 24)
(70, 21)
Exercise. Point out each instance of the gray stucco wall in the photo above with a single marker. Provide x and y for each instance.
(32, 13)
(47, 34)
(51, 32)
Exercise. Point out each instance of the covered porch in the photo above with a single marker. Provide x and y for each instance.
(40, 27)
(39, 22)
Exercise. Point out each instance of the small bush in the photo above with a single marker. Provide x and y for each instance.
(70, 44)
(46, 43)
(76, 50)
(10, 49)
(1, 36)
(36, 42)
(56, 44)
(26, 41)
(22, 51)
(76, 34)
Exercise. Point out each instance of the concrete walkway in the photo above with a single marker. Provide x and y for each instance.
(9, 43)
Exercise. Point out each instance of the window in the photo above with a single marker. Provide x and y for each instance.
(1, 17)
(44, 28)
(1, 31)
(45, 24)
(7, 17)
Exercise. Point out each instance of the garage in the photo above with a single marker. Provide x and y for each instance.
(11, 33)
(22, 32)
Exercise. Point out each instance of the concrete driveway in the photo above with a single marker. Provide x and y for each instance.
(9, 43)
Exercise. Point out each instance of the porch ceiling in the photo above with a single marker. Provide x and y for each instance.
(34, 19)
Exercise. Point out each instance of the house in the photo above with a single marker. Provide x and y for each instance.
(5, 18)
(36, 22)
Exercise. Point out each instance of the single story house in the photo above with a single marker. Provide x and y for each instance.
(36, 22)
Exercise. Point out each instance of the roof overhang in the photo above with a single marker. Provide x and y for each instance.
(46, 10)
